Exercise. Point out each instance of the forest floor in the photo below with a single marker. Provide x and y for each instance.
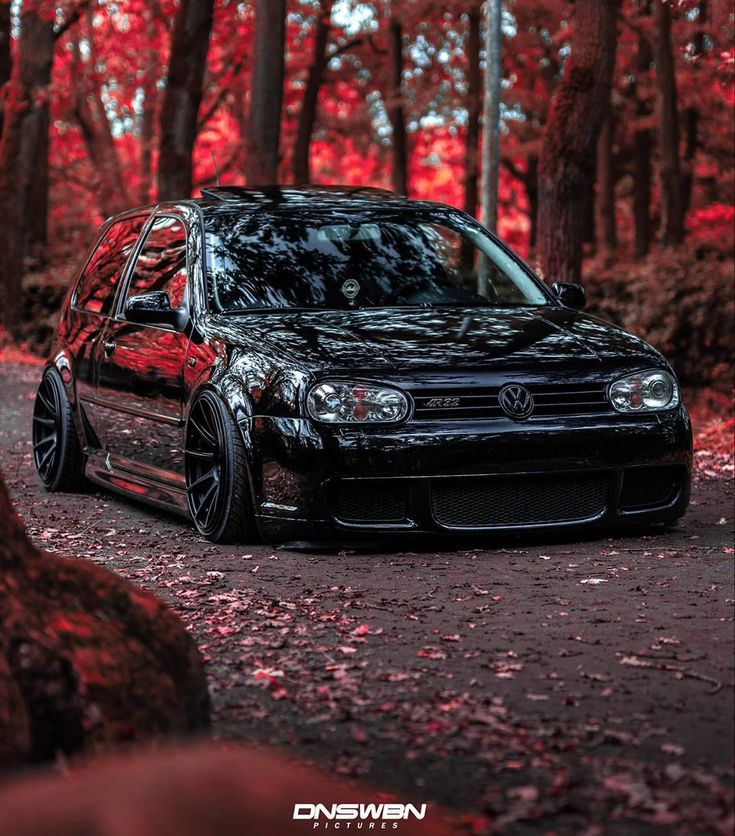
(541, 685)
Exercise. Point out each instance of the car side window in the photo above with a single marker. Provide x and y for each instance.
(95, 291)
(161, 262)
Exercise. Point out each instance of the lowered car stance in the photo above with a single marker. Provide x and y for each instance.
(333, 363)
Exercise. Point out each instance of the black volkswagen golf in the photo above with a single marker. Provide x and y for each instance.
(330, 363)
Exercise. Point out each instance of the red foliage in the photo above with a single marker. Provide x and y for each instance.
(716, 436)
(11, 353)
(711, 228)
(683, 302)
(131, 39)
(713, 422)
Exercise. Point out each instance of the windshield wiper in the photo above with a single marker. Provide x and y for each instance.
(275, 309)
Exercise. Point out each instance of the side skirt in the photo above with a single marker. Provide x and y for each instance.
(135, 481)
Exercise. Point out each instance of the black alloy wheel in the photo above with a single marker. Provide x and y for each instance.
(217, 485)
(57, 453)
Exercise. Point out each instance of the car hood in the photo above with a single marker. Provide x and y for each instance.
(404, 339)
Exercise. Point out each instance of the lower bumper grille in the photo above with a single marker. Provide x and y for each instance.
(649, 487)
(370, 503)
(518, 500)
(503, 501)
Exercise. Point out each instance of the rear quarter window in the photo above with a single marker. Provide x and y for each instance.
(95, 291)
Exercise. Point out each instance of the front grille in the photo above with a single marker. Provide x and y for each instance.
(550, 400)
(518, 500)
(369, 503)
(649, 487)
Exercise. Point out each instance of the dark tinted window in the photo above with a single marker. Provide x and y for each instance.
(96, 289)
(161, 263)
(341, 261)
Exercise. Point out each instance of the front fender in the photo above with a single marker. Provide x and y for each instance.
(63, 363)
(232, 392)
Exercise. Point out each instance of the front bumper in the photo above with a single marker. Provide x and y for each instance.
(468, 477)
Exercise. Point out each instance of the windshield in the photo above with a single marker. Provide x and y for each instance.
(257, 260)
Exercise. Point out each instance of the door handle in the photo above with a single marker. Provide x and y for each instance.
(109, 347)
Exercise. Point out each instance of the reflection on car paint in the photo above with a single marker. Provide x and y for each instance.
(132, 385)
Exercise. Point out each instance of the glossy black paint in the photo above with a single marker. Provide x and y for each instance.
(570, 295)
(132, 382)
(154, 308)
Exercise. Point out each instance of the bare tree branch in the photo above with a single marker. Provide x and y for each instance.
(344, 48)
(214, 177)
(71, 19)
(636, 27)
(159, 15)
(219, 98)
(513, 169)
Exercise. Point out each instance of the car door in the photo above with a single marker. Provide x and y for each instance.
(93, 299)
(140, 366)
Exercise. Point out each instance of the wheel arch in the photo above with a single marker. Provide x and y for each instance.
(66, 465)
(232, 393)
(63, 364)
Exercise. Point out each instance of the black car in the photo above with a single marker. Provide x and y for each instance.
(325, 363)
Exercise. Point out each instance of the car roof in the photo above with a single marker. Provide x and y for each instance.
(298, 196)
(225, 199)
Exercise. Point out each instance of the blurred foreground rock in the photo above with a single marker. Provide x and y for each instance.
(197, 791)
(87, 660)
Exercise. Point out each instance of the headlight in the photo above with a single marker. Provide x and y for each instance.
(339, 402)
(647, 391)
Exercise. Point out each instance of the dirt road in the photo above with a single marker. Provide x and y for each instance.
(549, 684)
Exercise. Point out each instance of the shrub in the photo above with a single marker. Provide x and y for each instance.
(681, 301)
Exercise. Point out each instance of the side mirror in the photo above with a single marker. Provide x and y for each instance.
(154, 308)
(570, 295)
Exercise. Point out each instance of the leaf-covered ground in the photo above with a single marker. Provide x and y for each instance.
(536, 685)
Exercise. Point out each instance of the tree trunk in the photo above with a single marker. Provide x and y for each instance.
(672, 198)
(566, 167)
(589, 220)
(691, 115)
(36, 220)
(148, 117)
(531, 184)
(24, 143)
(642, 192)
(396, 112)
(474, 102)
(111, 191)
(189, 47)
(529, 180)
(307, 114)
(491, 122)
(642, 144)
(5, 54)
(606, 225)
(262, 141)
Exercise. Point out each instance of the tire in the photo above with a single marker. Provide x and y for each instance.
(57, 453)
(217, 487)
